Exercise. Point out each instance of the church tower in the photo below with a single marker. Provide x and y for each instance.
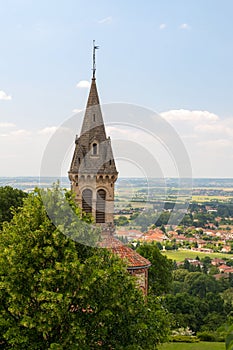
(92, 175)
(93, 171)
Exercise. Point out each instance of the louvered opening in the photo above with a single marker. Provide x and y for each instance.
(87, 201)
(100, 206)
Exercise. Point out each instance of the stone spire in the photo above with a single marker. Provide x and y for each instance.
(93, 116)
(93, 170)
(93, 151)
(93, 98)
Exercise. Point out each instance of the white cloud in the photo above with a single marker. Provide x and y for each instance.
(20, 132)
(106, 20)
(216, 144)
(125, 132)
(83, 84)
(4, 96)
(187, 115)
(208, 139)
(215, 129)
(7, 125)
(184, 26)
(117, 130)
(50, 130)
(47, 130)
(162, 26)
(76, 110)
(16, 135)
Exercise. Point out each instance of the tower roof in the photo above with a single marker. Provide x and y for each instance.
(93, 115)
(133, 259)
(93, 98)
(93, 133)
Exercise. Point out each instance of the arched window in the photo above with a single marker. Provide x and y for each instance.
(87, 201)
(100, 206)
(94, 149)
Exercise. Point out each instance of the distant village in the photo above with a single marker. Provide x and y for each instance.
(205, 228)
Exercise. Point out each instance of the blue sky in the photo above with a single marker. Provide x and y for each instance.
(165, 55)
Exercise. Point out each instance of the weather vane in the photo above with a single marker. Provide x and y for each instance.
(94, 64)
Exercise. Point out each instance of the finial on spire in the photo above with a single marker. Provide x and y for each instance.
(94, 64)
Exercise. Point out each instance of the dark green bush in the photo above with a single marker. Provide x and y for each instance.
(229, 342)
(210, 336)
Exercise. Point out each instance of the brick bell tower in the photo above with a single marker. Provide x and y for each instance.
(93, 171)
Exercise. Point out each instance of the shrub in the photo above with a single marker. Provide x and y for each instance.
(229, 339)
(184, 339)
(210, 336)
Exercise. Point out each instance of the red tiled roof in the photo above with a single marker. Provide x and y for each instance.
(217, 261)
(223, 267)
(133, 259)
(221, 275)
(153, 235)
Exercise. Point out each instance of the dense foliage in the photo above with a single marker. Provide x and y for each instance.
(9, 198)
(195, 299)
(199, 301)
(57, 294)
(160, 272)
(229, 339)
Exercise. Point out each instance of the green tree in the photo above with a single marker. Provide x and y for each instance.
(162, 228)
(229, 339)
(187, 310)
(187, 265)
(160, 273)
(227, 296)
(9, 198)
(56, 295)
(199, 284)
(121, 221)
(159, 245)
(213, 270)
(180, 274)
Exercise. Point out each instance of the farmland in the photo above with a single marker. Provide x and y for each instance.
(180, 255)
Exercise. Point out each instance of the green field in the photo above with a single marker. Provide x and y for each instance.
(180, 255)
(193, 346)
(220, 198)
